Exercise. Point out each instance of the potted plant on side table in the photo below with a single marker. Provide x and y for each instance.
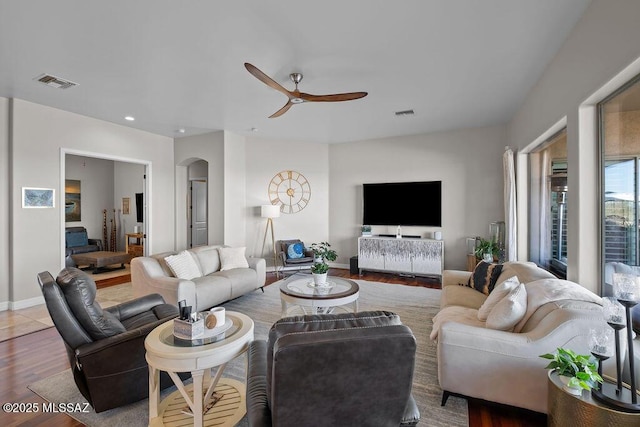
(577, 372)
(322, 253)
(487, 250)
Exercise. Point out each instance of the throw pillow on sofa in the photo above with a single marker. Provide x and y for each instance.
(183, 266)
(295, 250)
(499, 292)
(484, 277)
(509, 311)
(232, 258)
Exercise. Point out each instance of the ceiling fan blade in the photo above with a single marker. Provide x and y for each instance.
(282, 110)
(333, 98)
(266, 79)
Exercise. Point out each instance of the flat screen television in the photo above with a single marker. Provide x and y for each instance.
(403, 203)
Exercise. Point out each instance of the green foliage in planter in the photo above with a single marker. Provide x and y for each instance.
(582, 369)
(487, 247)
(322, 252)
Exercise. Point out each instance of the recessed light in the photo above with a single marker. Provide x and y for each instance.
(405, 113)
(254, 129)
(129, 118)
(181, 130)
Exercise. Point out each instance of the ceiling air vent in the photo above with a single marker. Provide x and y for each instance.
(405, 113)
(54, 81)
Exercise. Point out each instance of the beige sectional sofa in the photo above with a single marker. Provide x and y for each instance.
(215, 285)
(504, 366)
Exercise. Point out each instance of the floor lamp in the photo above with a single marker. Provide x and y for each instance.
(270, 212)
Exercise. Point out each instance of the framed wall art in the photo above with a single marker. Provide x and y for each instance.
(72, 199)
(38, 197)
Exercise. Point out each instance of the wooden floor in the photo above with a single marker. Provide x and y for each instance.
(29, 358)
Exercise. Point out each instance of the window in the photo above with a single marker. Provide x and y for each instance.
(619, 126)
(548, 216)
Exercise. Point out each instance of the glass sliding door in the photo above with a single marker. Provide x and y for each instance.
(619, 129)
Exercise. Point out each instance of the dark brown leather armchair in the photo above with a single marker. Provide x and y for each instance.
(105, 347)
(333, 370)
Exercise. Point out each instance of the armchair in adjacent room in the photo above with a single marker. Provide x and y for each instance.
(105, 347)
(76, 241)
(333, 369)
(293, 255)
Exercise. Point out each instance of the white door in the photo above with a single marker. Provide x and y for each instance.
(199, 233)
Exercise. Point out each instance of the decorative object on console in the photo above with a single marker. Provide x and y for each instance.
(322, 253)
(617, 313)
(366, 230)
(497, 235)
(581, 370)
(289, 190)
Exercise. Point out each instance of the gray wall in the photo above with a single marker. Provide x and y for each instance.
(36, 159)
(96, 191)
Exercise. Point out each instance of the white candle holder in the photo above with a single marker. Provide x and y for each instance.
(626, 287)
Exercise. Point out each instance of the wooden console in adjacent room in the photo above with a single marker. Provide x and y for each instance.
(135, 248)
(418, 257)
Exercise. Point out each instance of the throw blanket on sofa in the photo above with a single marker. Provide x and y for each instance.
(544, 291)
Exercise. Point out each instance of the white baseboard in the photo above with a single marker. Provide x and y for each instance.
(25, 303)
(4, 305)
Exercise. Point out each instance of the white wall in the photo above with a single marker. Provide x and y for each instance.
(236, 211)
(209, 147)
(468, 162)
(128, 179)
(599, 55)
(264, 159)
(39, 134)
(5, 204)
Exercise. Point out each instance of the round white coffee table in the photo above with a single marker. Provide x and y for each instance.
(299, 290)
(172, 355)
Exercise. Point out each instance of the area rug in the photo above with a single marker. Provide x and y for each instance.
(415, 305)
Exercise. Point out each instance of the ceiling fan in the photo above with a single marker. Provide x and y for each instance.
(295, 96)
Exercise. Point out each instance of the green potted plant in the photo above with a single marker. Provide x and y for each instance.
(486, 247)
(577, 372)
(366, 230)
(322, 253)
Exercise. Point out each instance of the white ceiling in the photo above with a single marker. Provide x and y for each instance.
(179, 64)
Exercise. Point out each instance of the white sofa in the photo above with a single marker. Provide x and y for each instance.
(504, 366)
(152, 275)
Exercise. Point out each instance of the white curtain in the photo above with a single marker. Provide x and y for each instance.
(511, 242)
(544, 210)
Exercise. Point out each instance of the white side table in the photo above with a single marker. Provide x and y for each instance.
(169, 354)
